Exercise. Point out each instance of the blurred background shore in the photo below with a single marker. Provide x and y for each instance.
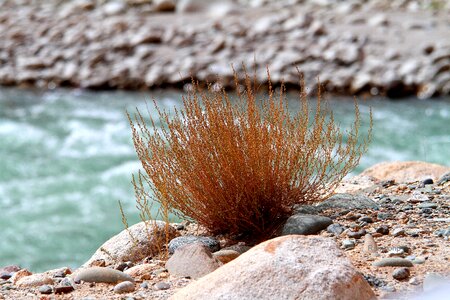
(375, 47)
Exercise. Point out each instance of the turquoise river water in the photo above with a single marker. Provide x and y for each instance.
(66, 158)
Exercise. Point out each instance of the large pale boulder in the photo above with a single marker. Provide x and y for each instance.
(133, 244)
(287, 267)
(406, 171)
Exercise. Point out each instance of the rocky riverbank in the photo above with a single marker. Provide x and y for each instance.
(385, 234)
(374, 47)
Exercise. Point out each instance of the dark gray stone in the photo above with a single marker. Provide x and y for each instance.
(428, 181)
(305, 224)
(348, 201)
(180, 241)
(393, 262)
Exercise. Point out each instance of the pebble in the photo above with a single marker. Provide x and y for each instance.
(144, 285)
(370, 246)
(396, 251)
(401, 273)
(45, 289)
(356, 234)
(383, 229)
(427, 205)
(374, 281)
(64, 289)
(124, 287)
(418, 260)
(414, 281)
(445, 232)
(5, 275)
(335, 229)
(418, 197)
(366, 219)
(162, 286)
(393, 262)
(34, 280)
(428, 181)
(348, 244)
(180, 241)
(398, 232)
(100, 274)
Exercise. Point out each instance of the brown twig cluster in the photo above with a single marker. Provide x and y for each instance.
(238, 166)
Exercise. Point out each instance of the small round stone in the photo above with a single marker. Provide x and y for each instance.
(348, 244)
(401, 273)
(162, 286)
(45, 289)
(124, 287)
(383, 229)
(428, 181)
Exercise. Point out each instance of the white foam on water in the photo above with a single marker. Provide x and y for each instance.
(125, 169)
(21, 131)
(110, 139)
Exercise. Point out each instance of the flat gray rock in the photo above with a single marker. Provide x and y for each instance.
(393, 262)
(99, 274)
(305, 224)
(348, 201)
(181, 241)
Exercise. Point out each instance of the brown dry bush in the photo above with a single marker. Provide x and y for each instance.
(238, 167)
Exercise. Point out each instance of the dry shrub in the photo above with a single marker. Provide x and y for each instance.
(239, 166)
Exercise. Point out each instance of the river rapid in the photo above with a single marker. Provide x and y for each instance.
(66, 159)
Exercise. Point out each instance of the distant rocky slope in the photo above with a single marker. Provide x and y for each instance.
(393, 48)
